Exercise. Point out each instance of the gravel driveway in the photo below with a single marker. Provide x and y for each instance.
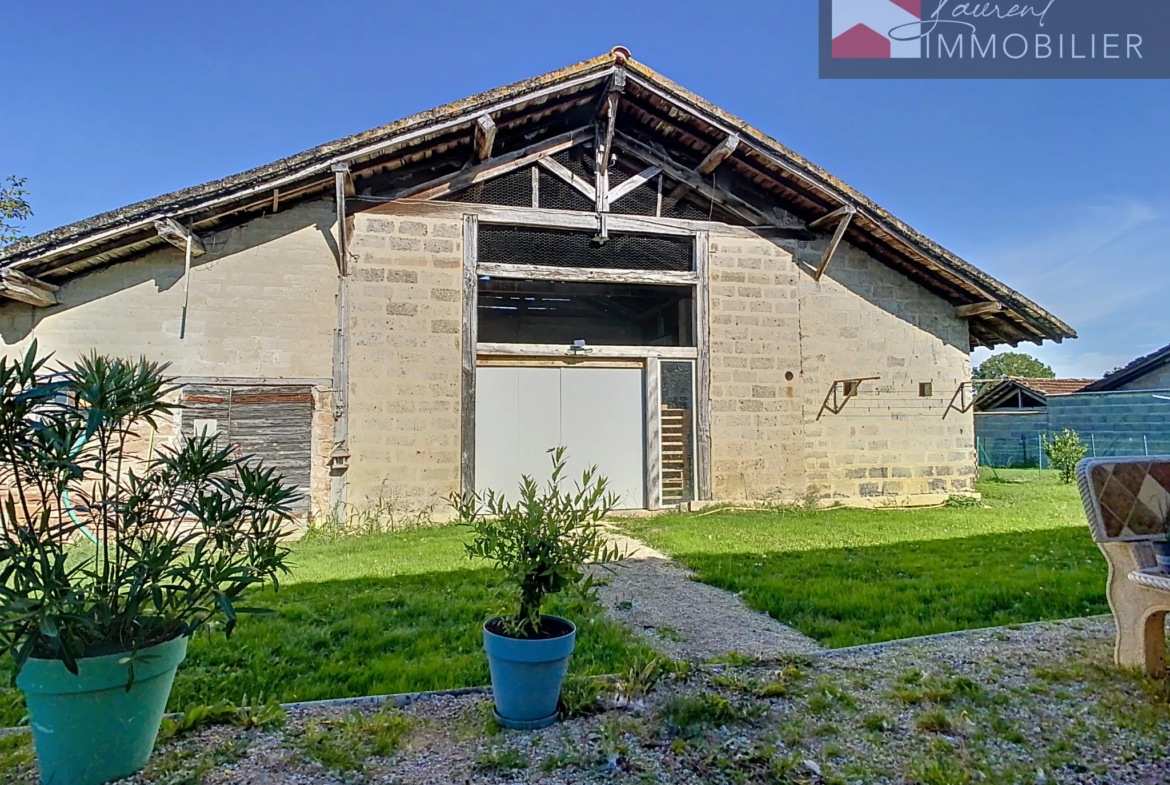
(1036, 704)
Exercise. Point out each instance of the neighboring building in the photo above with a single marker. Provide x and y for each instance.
(1125, 413)
(595, 257)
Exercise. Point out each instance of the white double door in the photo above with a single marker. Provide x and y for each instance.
(595, 413)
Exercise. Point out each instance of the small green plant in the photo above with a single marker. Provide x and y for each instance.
(1064, 451)
(935, 721)
(543, 541)
(501, 759)
(642, 677)
(102, 551)
(962, 501)
(386, 514)
(580, 696)
(877, 723)
(345, 744)
(266, 715)
(689, 714)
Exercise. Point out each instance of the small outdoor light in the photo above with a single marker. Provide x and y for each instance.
(579, 347)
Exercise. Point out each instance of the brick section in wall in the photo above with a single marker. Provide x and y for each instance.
(405, 360)
(756, 443)
(863, 319)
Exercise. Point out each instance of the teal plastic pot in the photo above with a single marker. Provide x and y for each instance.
(89, 729)
(527, 674)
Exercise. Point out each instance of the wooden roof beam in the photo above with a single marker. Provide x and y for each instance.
(977, 309)
(176, 234)
(719, 153)
(15, 285)
(847, 213)
(695, 182)
(825, 221)
(616, 87)
(485, 137)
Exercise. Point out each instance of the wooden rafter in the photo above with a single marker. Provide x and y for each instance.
(838, 236)
(502, 164)
(485, 137)
(724, 199)
(719, 153)
(564, 173)
(634, 182)
(15, 285)
(977, 309)
(176, 234)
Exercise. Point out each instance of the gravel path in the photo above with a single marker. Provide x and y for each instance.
(1033, 705)
(686, 619)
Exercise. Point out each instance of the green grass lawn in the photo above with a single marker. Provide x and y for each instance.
(846, 577)
(366, 616)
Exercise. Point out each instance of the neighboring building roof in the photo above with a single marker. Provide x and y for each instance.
(652, 111)
(1055, 386)
(993, 396)
(1132, 372)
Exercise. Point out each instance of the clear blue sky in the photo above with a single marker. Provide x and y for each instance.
(1059, 189)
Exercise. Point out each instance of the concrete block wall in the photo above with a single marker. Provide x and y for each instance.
(863, 319)
(1120, 423)
(757, 446)
(405, 299)
(262, 304)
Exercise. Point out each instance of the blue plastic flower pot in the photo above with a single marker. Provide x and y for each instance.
(1162, 554)
(89, 729)
(527, 674)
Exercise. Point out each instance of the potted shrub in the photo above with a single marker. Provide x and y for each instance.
(111, 557)
(542, 545)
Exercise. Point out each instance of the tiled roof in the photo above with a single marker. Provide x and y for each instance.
(1055, 386)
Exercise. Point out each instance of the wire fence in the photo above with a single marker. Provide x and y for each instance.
(1027, 451)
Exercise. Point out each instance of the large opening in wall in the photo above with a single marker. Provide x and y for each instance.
(564, 248)
(604, 314)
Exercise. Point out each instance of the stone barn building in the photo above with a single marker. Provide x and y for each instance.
(595, 258)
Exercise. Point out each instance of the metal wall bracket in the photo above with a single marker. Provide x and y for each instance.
(841, 392)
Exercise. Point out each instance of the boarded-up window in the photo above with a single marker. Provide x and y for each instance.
(271, 423)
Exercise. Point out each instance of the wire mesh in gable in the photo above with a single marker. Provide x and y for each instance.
(561, 248)
(513, 189)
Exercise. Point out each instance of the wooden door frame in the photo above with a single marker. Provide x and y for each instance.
(472, 350)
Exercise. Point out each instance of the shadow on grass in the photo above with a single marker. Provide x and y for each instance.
(851, 596)
(365, 636)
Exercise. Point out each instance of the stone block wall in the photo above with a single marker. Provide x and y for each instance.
(262, 304)
(405, 299)
(863, 319)
(757, 447)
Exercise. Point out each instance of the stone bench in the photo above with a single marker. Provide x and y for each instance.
(1127, 501)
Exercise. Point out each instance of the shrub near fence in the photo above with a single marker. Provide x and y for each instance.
(1027, 452)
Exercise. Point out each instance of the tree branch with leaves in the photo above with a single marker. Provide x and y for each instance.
(14, 208)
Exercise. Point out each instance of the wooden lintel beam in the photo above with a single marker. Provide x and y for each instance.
(539, 272)
(825, 221)
(720, 153)
(977, 309)
(634, 182)
(176, 234)
(833, 243)
(485, 137)
(15, 285)
(562, 171)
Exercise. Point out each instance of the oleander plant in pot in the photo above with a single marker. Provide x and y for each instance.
(114, 550)
(542, 543)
